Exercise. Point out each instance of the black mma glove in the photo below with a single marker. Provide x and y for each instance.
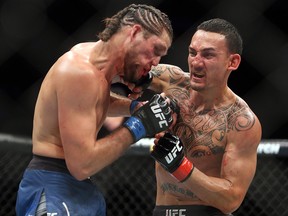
(173, 105)
(145, 81)
(169, 152)
(153, 117)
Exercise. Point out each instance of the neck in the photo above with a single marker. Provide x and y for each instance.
(212, 99)
(107, 58)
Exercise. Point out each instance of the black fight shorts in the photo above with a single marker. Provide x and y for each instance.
(187, 210)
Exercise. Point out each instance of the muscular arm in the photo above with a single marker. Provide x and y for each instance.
(165, 75)
(83, 98)
(227, 191)
(119, 105)
(82, 109)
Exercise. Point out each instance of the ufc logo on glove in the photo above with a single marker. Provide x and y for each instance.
(159, 114)
(173, 154)
(153, 117)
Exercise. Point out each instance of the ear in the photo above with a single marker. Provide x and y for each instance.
(135, 30)
(234, 63)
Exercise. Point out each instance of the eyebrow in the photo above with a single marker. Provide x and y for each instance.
(160, 50)
(204, 50)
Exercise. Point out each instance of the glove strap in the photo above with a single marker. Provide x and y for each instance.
(184, 171)
(136, 128)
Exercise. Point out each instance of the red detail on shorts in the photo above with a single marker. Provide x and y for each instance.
(184, 170)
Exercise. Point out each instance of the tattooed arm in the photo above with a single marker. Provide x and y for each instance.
(227, 189)
(222, 144)
(164, 75)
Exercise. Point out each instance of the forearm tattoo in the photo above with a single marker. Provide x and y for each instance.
(176, 189)
(175, 77)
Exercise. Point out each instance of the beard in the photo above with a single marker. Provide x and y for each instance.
(130, 72)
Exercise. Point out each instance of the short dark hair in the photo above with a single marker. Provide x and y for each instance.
(151, 19)
(221, 26)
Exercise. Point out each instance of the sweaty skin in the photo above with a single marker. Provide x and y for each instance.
(74, 99)
(220, 134)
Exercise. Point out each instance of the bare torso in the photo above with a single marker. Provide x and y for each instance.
(205, 134)
(46, 134)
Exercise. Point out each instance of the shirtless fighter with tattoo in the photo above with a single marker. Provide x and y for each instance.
(207, 165)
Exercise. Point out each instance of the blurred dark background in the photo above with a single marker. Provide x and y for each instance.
(34, 33)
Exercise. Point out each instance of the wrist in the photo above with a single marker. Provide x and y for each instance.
(183, 172)
(133, 104)
(136, 128)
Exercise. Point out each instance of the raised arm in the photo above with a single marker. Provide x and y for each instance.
(163, 76)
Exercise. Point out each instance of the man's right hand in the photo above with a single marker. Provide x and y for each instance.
(153, 117)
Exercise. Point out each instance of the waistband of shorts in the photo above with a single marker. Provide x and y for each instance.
(187, 210)
(48, 163)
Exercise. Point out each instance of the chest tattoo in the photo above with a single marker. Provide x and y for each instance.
(204, 132)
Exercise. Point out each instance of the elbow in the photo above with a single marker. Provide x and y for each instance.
(78, 172)
(231, 205)
(79, 176)
(229, 209)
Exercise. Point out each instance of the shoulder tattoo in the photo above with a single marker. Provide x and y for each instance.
(239, 117)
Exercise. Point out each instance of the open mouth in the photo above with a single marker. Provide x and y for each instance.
(198, 75)
(146, 71)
